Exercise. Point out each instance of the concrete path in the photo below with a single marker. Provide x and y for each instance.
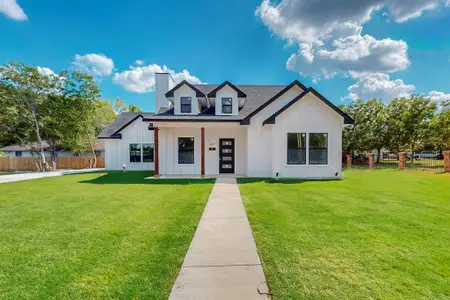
(222, 261)
(37, 175)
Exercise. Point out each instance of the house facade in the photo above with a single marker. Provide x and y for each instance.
(248, 130)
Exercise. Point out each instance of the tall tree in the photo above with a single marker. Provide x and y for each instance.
(24, 93)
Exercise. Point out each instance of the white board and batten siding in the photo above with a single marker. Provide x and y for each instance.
(117, 151)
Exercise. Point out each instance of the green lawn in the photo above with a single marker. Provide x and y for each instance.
(96, 236)
(377, 234)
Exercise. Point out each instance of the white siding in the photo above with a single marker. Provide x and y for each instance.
(226, 92)
(117, 151)
(186, 91)
(260, 137)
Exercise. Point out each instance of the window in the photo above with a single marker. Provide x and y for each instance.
(318, 148)
(186, 105)
(135, 153)
(18, 153)
(296, 148)
(227, 105)
(147, 152)
(185, 150)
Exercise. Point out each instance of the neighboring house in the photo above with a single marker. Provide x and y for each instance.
(30, 150)
(210, 129)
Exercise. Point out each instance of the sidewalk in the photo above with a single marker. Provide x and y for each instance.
(37, 175)
(222, 261)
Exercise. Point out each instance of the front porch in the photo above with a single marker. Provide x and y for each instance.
(200, 150)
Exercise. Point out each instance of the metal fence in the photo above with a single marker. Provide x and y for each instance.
(386, 160)
(426, 161)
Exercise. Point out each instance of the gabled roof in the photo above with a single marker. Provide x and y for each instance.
(120, 122)
(184, 82)
(275, 97)
(347, 118)
(240, 93)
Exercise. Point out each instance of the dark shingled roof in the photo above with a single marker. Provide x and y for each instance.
(100, 146)
(257, 97)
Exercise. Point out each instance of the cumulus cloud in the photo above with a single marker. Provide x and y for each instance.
(45, 71)
(139, 62)
(379, 86)
(12, 10)
(438, 97)
(141, 79)
(94, 64)
(329, 34)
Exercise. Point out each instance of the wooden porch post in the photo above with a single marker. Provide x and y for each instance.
(203, 152)
(156, 133)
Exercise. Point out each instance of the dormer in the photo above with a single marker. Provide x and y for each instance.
(187, 99)
(227, 99)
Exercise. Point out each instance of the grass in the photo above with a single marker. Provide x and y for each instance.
(96, 236)
(377, 234)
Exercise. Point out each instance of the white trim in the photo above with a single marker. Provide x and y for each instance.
(178, 152)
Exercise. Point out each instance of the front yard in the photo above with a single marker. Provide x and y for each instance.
(99, 235)
(377, 234)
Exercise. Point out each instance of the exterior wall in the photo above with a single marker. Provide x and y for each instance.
(168, 149)
(309, 115)
(228, 92)
(117, 151)
(260, 137)
(186, 91)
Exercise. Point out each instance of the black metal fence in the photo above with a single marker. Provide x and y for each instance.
(426, 161)
(386, 160)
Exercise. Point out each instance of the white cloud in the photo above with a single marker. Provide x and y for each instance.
(141, 79)
(12, 10)
(329, 34)
(94, 64)
(379, 86)
(354, 53)
(139, 62)
(438, 97)
(46, 71)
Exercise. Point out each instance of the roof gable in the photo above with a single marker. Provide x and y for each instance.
(240, 93)
(271, 119)
(184, 82)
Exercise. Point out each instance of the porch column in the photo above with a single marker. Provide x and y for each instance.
(156, 134)
(203, 152)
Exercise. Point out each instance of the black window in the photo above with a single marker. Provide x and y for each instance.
(18, 153)
(318, 148)
(147, 152)
(135, 153)
(186, 105)
(227, 105)
(186, 150)
(296, 148)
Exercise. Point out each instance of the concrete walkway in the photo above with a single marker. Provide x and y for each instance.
(222, 261)
(37, 175)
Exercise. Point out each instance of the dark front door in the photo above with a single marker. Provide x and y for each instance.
(226, 156)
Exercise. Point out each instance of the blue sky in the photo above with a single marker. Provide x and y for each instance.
(345, 49)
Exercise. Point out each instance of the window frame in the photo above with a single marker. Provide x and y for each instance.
(318, 148)
(227, 105)
(152, 145)
(185, 105)
(305, 149)
(178, 150)
(140, 152)
(18, 152)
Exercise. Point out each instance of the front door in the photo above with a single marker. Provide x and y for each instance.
(226, 156)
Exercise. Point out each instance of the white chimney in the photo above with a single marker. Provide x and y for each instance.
(163, 83)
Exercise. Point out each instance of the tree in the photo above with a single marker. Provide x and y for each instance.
(119, 107)
(24, 93)
(133, 108)
(439, 134)
(409, 120)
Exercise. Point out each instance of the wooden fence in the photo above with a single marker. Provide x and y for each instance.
(29, 163)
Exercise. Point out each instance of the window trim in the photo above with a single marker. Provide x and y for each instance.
(153, 152)
(129, 153)
(182, 105)
(304, 148)
(227, 105)
(320, 148)
(141, 146)
(178, 150)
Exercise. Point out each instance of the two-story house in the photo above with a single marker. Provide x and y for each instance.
(251, 130)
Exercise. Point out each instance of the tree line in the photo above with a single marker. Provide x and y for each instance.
(65, 110)
(404, 124)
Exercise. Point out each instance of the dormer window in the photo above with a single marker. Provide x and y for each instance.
(186, 105)
(227, 105)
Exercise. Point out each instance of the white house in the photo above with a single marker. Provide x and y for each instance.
(251, 130)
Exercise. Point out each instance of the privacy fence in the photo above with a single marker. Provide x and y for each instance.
(425, 161)
(29, 163)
